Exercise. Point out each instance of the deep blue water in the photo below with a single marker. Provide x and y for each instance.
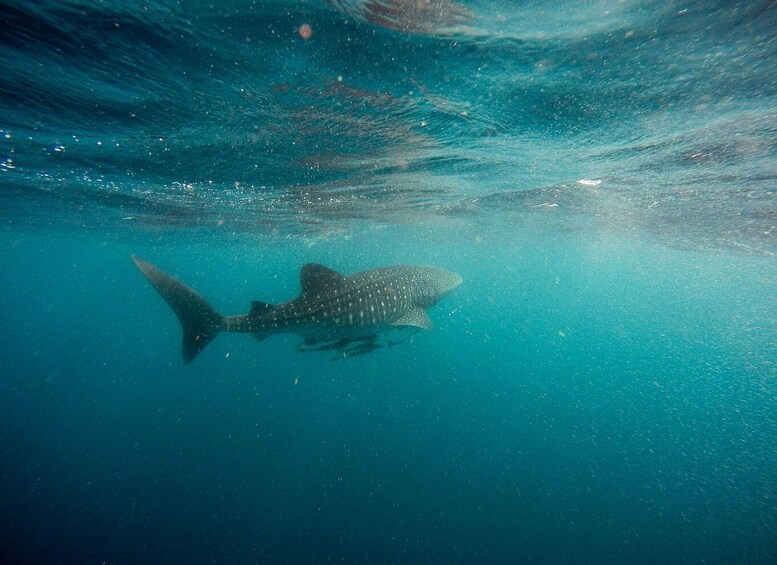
(601, 389)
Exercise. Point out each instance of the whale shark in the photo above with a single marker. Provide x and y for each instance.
(333, 311)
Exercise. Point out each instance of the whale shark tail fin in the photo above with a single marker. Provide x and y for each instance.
(200, 322)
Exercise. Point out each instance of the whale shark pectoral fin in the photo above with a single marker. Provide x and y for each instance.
(417, 317)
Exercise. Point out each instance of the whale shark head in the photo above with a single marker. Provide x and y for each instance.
(432, 284)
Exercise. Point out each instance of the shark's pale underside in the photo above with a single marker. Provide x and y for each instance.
(335, 311)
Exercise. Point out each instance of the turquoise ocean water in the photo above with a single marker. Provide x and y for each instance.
(602, 388)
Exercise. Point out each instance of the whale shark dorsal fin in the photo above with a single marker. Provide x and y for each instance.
(258, 308)
(316, 278)
(416, 317)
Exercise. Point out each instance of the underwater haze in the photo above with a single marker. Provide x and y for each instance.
(601, 388)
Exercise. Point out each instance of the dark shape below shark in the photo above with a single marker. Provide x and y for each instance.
(332, 310)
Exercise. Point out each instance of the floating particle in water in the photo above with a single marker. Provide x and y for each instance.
(305, 31)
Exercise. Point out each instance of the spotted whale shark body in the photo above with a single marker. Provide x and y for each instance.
(333, 311)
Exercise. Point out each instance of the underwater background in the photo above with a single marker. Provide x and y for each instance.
(601, 389)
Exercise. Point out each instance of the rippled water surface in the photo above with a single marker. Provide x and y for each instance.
(133, 116)
(603, 175)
